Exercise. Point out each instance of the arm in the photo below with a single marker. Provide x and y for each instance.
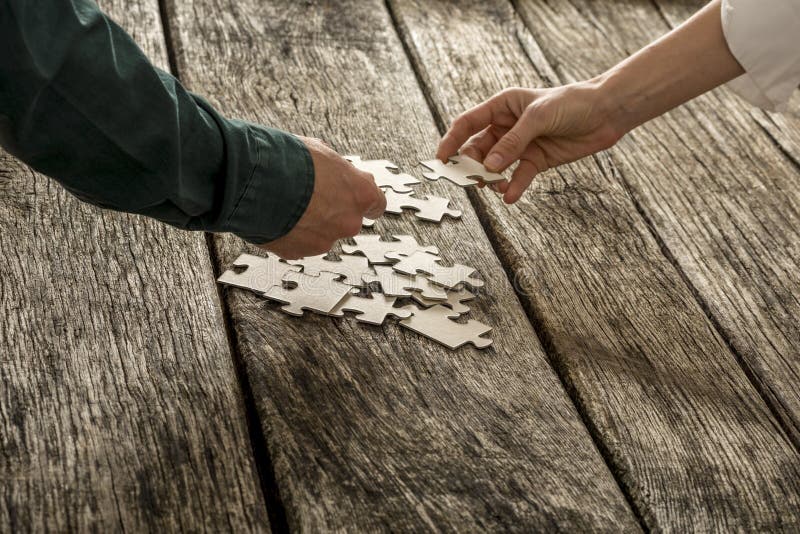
(81, 103)
(543, 128)
(648, 83)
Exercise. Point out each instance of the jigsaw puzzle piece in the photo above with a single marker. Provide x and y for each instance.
(350, 267)
(461, 170)
(436, 323)
(427, 263)
(454, 300)
(370, 310)
(316, 293)
(260, 274)
(427, 290)
(392, 283)
(375, 248)
(431, 208)
(395, 284)
(381, 170)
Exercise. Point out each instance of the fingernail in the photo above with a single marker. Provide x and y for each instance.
(493, 161)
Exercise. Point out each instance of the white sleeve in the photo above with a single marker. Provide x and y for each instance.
(764, 37)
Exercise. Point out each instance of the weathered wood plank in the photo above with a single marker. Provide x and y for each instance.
(721, 195)
(119, 405)
(691, 440)
(378, 427)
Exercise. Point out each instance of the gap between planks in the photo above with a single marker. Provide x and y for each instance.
(497, 246)
(258, 445)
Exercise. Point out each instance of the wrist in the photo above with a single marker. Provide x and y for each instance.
(620, 100)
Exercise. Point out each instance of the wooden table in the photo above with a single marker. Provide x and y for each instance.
(645, 372)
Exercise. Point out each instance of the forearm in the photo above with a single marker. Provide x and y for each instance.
(81, 103)
(687, 62)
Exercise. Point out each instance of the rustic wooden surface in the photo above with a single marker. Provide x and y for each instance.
(119, 405)
(576, 235)
(660, 277)
(719, 192)
(380, 428)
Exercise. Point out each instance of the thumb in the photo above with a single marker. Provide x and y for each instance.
(510, 147)
(374, 200)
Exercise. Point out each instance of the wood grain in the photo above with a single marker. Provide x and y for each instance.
(691, 440)
(721, 195)
(119, 405)
(379, 428)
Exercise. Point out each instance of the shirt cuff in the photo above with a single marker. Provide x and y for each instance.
(763, 37)
(279, 188)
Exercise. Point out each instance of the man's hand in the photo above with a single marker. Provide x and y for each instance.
(342, 196)
(542, 128)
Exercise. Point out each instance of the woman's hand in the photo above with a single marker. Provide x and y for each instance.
(542, 128)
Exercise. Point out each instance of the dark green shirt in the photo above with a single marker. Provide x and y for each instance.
(80, 102)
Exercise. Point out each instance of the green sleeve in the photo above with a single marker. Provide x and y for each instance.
(80, 102)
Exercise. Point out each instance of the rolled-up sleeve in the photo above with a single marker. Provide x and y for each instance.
(764, 37)
(81, 103)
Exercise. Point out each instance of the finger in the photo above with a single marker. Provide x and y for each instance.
(511, 146)
(373, 200)
(479, 144)
(466, 125)
(520, 180)
(500, 187)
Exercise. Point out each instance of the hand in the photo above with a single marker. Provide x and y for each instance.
(342, 196)
(542, 128)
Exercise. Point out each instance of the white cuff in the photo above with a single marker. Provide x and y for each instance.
(764, 37)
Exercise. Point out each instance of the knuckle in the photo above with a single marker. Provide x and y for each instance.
(511, 140)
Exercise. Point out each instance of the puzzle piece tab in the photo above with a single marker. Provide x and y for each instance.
(351, 267)
(461, 170)
(431, 208)
(370, 310)
(435, 323)
(260, 275)
(449, 277)
(316, 293)
(382, 169)
(374, 248)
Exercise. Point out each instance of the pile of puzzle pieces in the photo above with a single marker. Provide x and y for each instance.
(400, 268)
(374, 275)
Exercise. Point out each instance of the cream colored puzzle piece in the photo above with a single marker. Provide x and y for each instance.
(375, 248)
(461, 170)
(370, 310)
(316, 293)
(349, 266)
(449, 277)
(381, 170)
(436, 323)
(431, 208)
(261, 273)
(399, 285)
(454, 300)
